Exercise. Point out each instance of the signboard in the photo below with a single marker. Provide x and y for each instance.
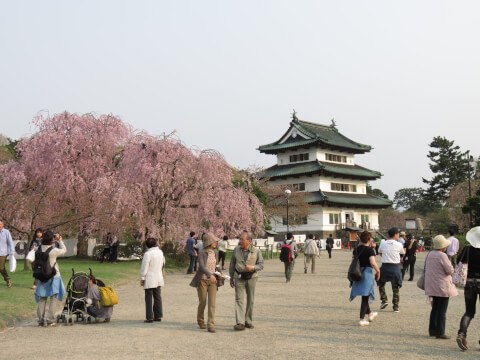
(410, 224)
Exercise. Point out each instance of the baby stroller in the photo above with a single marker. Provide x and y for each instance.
(75, 308)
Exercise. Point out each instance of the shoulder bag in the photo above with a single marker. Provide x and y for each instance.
(355, 271)
(421, 279)
(459, 276)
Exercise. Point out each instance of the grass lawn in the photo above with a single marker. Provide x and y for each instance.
(18, 302)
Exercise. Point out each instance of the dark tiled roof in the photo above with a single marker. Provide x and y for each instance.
(320, 167)
(344, 199)
(321, 135)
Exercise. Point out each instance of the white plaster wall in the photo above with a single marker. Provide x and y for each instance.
(312, 183)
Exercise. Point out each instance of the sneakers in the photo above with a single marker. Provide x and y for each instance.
(462, 342)
(363, 322)
(373, 317)
(383, 305)
(396, 310)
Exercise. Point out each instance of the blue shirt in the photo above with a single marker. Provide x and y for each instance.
(190, 246)
(6, 243)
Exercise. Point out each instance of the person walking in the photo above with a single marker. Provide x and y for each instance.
(410, 257)
(311, 253)
(52, 288)
(151, 278)
(245, 264)
(192, 254)
(222, 251)
(206, 282)
(365, 287)
(452, 249)
(6, 249)
(329, 245)
(470, 255)
(439, 286)
(34, 245)
(390, 251)
(290, 241)
(114, 243)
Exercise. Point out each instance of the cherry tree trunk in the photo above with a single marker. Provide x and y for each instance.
(82, 245)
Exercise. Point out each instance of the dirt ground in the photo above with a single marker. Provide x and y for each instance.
(308, 318)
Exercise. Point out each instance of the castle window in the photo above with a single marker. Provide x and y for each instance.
(336, 158)
(299, 157)
(297, 187)
(343, 187)
(334, 218)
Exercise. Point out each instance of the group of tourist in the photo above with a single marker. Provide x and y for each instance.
(437, 282)
(397, 254)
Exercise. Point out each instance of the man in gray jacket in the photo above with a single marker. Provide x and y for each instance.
(245, 264)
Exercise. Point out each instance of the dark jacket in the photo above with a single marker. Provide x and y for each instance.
(471, 256)
(202, 269)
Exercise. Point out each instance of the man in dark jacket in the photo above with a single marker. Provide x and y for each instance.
(411, 246)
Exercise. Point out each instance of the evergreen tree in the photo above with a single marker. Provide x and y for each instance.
(473, 206)
(450, 167)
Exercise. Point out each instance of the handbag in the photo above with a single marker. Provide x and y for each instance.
(355, 271)
(12, 263)
(220, 280)
(459, 276)
(421, 279)
(31, 256)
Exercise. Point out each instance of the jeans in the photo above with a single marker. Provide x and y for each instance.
(471, 293)
(192, 263)
(244, 312)
(153, 303)
(43, 317)
(365, 307)
(438, 315)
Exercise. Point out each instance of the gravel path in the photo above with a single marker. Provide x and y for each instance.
(308, 318)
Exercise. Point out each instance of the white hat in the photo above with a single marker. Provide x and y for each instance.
(473, 237)
(439, 242)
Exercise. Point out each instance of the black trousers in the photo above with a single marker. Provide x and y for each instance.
(471, 293)
(410, 262)
(221, 256)
(329, 249)
(438, 315)
(365, 307)
(153, 303)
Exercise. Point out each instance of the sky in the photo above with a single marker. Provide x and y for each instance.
(226, 75)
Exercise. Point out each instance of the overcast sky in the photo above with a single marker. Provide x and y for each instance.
(227, 74)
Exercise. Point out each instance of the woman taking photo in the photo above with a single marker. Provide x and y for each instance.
(206, 282)
(365, 287)
(471, 256)
(438, 285)
(52, 288)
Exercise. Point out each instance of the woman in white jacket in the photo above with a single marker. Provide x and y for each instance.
(151, 278)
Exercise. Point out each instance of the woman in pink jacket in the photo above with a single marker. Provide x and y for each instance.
(438, 285)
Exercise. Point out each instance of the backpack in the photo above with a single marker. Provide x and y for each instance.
(286, 253)
(42, 270)
(109, 297)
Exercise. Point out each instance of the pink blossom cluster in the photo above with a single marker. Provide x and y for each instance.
(95, 174)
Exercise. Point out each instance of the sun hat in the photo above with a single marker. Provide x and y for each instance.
(209, 239)
(403, 233)
(439, 242)
(473, 237)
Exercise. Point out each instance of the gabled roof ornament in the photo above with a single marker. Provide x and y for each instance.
(294, 116)
(334, 124)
